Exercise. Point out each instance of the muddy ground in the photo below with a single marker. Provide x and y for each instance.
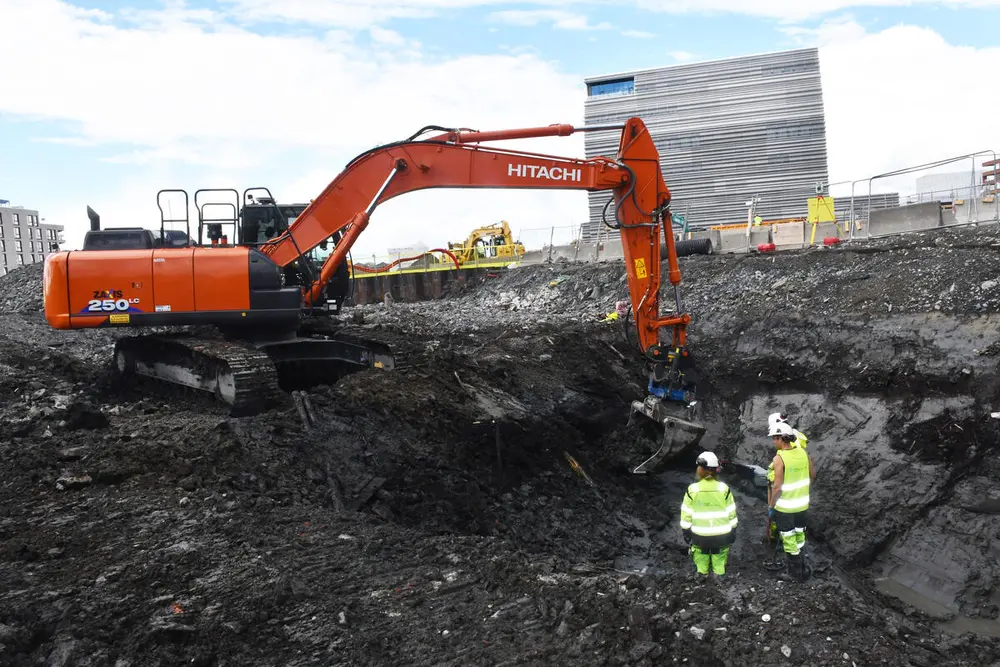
(431, 516)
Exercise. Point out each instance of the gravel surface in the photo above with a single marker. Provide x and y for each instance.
(431, 516)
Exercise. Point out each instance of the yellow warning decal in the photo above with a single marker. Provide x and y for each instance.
(640, 268)
(119, 319)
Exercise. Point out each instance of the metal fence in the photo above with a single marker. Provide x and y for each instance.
(952, 192)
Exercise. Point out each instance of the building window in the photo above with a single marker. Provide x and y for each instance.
(17, 246)
(17, 230)
(53, 247)
(33, 260)
(3, 246)
(616, 87)
(20, 260)
(15, 218)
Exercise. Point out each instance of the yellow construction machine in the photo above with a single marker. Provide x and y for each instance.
(493, 243)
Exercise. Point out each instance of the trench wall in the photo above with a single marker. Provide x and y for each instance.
(413, 286)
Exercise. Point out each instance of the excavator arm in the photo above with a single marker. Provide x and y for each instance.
(458, 159)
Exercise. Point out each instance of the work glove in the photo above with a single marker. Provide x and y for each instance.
(687, 536)
(770, 513)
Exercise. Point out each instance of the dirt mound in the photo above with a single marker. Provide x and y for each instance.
(434, 514)
(21, 289)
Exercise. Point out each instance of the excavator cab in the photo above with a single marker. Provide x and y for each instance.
(262, 219)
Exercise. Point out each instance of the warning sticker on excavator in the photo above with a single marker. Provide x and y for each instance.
(119, 319)
(640, 268)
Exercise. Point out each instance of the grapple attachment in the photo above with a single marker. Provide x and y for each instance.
(679, 434)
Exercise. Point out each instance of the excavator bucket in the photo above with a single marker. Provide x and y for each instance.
(679, 434)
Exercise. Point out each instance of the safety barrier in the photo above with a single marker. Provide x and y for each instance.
(895, 202)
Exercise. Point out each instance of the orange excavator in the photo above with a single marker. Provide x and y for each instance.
(262, 294)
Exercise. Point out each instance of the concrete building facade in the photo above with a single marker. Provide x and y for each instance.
(24, 238)
(726, 130)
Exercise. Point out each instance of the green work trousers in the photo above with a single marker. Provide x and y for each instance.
(704, 559)
(792, 528)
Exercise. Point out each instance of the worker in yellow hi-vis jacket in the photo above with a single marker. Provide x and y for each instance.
(708, 517)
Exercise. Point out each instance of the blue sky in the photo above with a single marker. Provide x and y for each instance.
(107, 101)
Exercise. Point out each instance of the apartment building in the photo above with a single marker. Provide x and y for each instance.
(24, 237)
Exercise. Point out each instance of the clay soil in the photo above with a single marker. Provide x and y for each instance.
(432, 515)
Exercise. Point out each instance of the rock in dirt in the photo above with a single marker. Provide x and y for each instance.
(70, 482)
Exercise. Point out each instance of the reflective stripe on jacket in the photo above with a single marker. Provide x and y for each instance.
(708, 509)
(795, 482)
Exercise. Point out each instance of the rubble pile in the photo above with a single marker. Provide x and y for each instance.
(953, 272)
(22, 291)
(476, 506)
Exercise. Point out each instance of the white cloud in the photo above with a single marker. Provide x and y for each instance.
(560, 19)
(360, 13)
(389, 37)
(638, 34)
(901, 97)
(792, 10)
(210, 96)
(363, 13)
(681, 56)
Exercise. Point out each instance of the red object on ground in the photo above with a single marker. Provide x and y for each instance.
(831, 240)
(765, 247)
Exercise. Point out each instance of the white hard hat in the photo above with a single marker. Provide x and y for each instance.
(776, 418)
(708, 460)
(780, 428)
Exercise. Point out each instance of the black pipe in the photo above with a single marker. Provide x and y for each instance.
(95, 220)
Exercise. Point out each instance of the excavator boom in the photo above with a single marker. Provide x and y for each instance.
(242, 288)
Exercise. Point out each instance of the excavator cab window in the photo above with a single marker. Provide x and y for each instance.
(172, 238)
(122, 238)
(262, 221)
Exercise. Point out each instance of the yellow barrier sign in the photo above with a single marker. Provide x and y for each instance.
(821, 210)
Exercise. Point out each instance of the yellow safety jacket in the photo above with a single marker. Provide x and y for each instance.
(795, 482)
(709, 512)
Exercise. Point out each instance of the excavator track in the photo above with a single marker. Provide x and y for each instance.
(242, 378)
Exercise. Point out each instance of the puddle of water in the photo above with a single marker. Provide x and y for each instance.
(958, 624)
(913, 598)
(987, 627)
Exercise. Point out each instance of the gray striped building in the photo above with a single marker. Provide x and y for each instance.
(726, 130)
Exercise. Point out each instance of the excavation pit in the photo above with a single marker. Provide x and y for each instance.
(396, 530)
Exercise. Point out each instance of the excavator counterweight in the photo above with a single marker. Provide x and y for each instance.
(264, 283)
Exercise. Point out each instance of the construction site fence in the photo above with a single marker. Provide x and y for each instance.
(967, 196)
(958, 191)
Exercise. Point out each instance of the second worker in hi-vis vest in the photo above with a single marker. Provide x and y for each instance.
(789, 501)
(708, 518)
